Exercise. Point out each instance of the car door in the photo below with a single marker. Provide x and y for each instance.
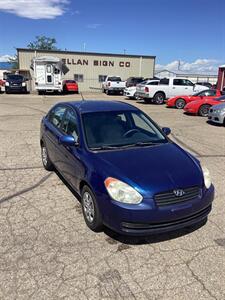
(52, 132)
(72, 165)
(179, 87)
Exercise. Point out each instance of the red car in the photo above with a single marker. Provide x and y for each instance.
(181, 101)
(70, 86)
(201, 107)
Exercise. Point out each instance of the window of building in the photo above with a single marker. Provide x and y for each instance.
(101, 78)
(79, 77)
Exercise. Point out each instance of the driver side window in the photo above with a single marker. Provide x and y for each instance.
(69, 125)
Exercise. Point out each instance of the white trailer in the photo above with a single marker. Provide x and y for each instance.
(48, 71)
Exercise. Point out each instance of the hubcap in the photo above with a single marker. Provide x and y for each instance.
(180, 104)
(44, 156)
(205, 111)
(89, 210)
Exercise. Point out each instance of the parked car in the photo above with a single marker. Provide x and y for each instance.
(15, 83)
(217, 114)
(143, 87)
(180, 101)
(130, 92)
(113, 84)
(2, 85)
(201, 107)
(133, 81)
(70, 86)
(116, 158)
(170, 87)
(205, 83)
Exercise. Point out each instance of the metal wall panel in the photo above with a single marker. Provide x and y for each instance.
(93, 65)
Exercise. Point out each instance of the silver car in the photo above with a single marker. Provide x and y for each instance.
(217, 113)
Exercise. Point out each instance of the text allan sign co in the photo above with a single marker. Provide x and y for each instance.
(99, 63)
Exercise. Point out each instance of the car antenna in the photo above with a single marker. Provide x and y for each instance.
(82, 96)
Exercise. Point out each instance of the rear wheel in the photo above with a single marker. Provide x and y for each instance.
(159, 98)
(204, 110)
(90, 209)
(108, 92)
(180, 103)
(45, 158)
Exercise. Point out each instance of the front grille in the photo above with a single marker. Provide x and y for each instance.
(169, 198)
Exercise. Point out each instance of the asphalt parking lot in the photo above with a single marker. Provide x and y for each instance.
(47, 251)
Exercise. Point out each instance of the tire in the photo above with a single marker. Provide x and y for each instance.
(135, 96)
(204, 110)
(40, 93)
(47, 164)
(90, 209)
(159, 98)
(180, 103)
(107, 92)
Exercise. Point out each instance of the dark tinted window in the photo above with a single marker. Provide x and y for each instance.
(56, 115)
(15, 77)
(69, 125)
(153, 83)
(164, 81)
(114, 78)
(207, 93)
(183, 82)
(79, 77)
(117, 129)
(101, 78)
(70, 81)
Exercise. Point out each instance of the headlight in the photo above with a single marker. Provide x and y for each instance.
(122, 192)
(207, 177)
(7, 83)
(23, 83)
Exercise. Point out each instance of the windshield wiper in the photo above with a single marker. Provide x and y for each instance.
(140, 144)
(104, 148)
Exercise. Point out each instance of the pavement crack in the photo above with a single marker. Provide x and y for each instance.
(23, 191)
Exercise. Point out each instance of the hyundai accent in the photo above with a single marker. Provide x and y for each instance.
(129, 175)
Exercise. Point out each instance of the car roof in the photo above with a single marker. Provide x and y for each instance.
(100, 105)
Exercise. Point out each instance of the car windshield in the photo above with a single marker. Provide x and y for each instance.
(222, 98)
(108, 130)
(15, 77)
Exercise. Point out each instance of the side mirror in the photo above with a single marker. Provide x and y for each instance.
(166, 130)
(68, 140)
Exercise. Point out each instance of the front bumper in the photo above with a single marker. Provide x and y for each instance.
(147, 218)
(190, 110)
(216, 117)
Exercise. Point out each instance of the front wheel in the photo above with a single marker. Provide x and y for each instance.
(180, 103)
(204, 110)
(159, 98)
(90, 210)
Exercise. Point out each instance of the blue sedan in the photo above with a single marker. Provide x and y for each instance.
(130, 176)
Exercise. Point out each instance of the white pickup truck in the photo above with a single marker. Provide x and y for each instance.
(167, 88)
(113, 84)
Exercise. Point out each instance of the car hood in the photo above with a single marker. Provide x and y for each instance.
(219, 106)
(18, 81)
(151, 169)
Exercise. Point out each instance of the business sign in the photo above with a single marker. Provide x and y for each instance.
(96, 63)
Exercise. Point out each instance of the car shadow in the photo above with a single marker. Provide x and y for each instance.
(153, 238)
(214, 124)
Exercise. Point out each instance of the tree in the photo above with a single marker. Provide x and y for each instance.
(43, 43)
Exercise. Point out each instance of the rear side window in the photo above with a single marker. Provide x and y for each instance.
(56, 115)
(69, 125)
(114, 78)
(164, 81)
(153, 83)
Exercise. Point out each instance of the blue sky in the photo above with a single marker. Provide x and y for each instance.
(192, 31)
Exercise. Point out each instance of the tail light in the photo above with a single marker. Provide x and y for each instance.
(109, 83)
(146, 89)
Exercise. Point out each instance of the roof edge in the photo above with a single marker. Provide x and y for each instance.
(85, 53)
